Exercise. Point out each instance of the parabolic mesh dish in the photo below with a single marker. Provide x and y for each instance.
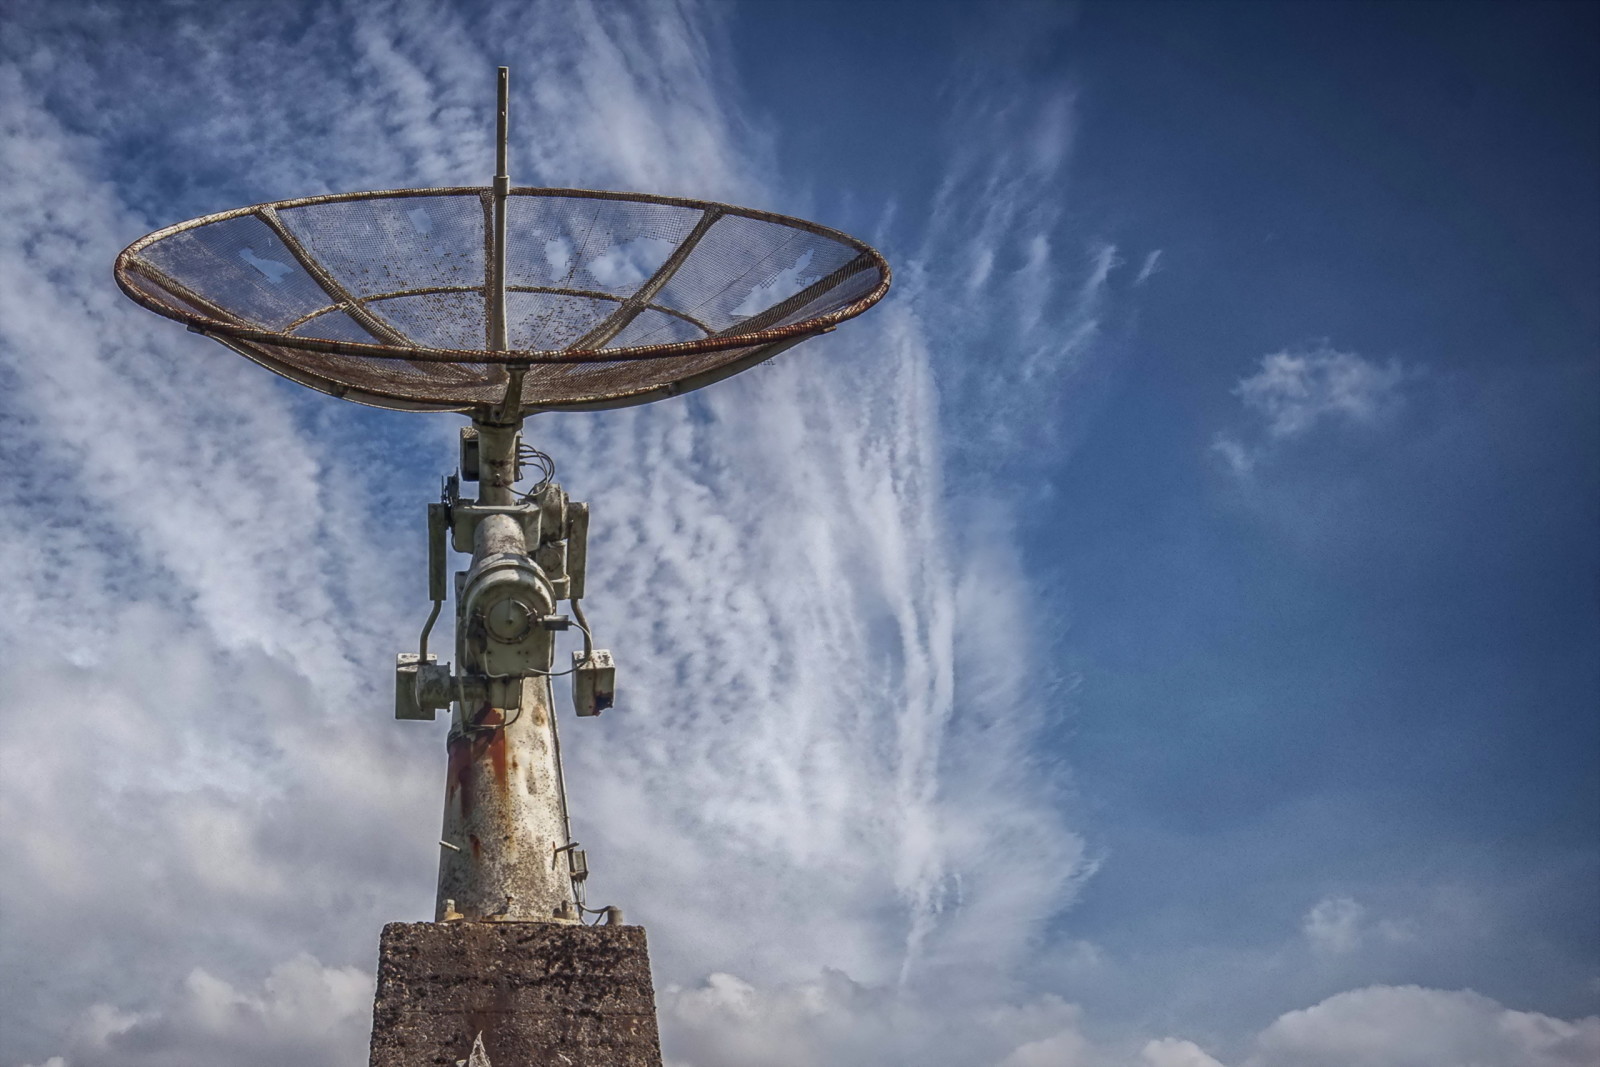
(611, 298)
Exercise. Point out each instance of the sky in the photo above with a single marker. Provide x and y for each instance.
(1165, 632)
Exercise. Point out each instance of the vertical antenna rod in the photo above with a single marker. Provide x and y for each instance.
(510, 410)
(502, 187)
(497, 428)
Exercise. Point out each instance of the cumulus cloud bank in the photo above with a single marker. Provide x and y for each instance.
(726, 1022)
(1408, 1026)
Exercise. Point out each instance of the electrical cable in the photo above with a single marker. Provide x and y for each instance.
(534, 672)
(490, 727)
(427, 628)
(561, 783)
(583, 624)
(461, 672)
(541, 460)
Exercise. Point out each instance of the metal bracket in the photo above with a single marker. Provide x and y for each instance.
(594, 682)
(469, 453)
(423, 689)
(407, 705)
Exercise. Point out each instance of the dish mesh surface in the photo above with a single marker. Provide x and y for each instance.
(611, 298)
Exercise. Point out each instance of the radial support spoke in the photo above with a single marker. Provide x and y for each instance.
(618, 320)
(346, 301)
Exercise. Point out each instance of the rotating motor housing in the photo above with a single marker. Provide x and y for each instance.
(507, 605)
(526, 558)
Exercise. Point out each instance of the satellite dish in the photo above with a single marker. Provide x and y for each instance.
(501, 302)
(611, 299)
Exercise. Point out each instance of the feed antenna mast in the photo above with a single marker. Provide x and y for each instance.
(499, 303)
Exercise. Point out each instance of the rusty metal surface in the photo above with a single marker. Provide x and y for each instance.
(505, 818)
(612, 298)
(504, 815)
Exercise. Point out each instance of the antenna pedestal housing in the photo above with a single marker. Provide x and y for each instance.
(503, 816)
(506, 839)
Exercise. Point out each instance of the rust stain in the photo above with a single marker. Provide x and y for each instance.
(458, 775)
(497, 756)
(477, 846)
(466, 751)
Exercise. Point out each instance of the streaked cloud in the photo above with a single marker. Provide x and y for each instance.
(1151, 265)
(1019, 299)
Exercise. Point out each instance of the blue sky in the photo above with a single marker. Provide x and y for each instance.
(1165, 633)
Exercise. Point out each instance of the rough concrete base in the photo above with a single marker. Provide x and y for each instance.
(539, 993)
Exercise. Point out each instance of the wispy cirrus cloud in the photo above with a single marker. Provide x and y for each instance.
(1021, 301)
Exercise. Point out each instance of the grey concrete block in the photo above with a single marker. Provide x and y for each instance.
(541, 994)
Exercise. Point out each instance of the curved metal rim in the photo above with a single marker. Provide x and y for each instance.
(127, 262)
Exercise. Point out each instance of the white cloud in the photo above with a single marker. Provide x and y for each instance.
(1333, 925)
(832, 1020)
(1408, 1026)
(727, 1022)
(1171, 1052)
(1150, 267)
(303, 1012)
(1339, 925)
(1065, 1049)
(1240, 459)
(1296, 391)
